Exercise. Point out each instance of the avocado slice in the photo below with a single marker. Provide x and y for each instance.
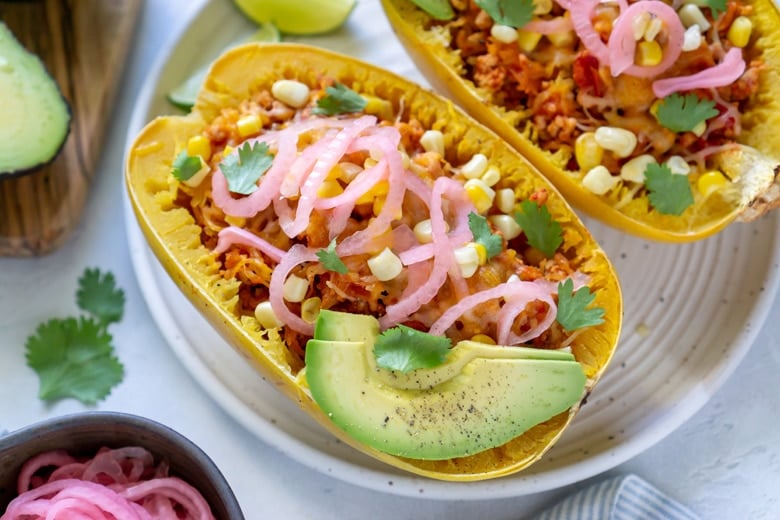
(345, 326)
(481, 397)
(34, 116)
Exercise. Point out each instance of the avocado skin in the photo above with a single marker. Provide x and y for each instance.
(10, 40)
(485, 404)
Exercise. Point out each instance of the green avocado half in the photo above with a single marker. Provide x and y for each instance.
(34, 116)
(481, 397)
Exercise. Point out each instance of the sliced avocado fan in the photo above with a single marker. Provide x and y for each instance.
(34, 116)
(481, 397)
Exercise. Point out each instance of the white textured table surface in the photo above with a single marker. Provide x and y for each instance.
(723, 463)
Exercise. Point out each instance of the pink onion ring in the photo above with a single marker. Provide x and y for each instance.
(236, 235)
(724, 73)
(298, 254)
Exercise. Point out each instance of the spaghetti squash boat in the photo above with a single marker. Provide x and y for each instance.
(656, 117)
(392, 266)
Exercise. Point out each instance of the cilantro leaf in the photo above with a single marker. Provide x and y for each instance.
(515, 13)
(98, 295)
(243, 170)
(716, 6)
(573, 312)
(682, 113)
(542, 232)
(480, 230)
(330, 259)
(73, 358)
(670, 193)
(185, 166)
(339, 99)
(404, 349)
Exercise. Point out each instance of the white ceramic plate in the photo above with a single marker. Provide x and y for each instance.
(691, 313)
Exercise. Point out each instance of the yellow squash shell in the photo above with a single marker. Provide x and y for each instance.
(175, 239)
(757, 182)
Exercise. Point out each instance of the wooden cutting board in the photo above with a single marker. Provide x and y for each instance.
(84, 45)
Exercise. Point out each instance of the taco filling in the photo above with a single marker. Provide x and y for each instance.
(323, 198)
(639, 99)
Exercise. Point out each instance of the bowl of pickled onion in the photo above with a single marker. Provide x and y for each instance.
(109, 465)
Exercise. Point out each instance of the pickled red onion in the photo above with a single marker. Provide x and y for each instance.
(297, 255)
(581, 12)
(514, 305)
(724, 73)
(622, 44)
(235, 235)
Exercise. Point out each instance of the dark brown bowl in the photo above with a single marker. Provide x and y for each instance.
(85, 433)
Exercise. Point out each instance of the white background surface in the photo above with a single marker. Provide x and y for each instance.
(723, 463)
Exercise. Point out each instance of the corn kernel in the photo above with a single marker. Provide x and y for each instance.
(481, 252)
(480, 194)
(348, 171)
(227, 151)
(423, 231)
(378, 204)
(483, 338)
(310, 309)
(377, 190)
(382, 108)
(678, 165)
(467, 259)
(618, 140)
(291, 92)
(700, 128)
(433, 141)
(329, 188)
(649, 53)
(692, 38)
(690, 14)
(562, 39)
(199, 145)
(505, 200)
(503, 33)
(527, 40)
(710, 182)
(542, 7)
(506, 225)
(266, 317)
(248, 125)
(200, 175)
(491, 176)
(639, 25)
(740, 31)
(385, 266)
(634, 169)
(587, 151)
(653, 28)
(475, 166)
(294, 289)
(599, 181)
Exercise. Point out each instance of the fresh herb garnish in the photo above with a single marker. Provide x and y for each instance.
(514, 13)
(244, 169)
(716, 6)
(404, 349)
(75, 357)
(339, 99)
(330, 259)
(438, 9)
(185, 166)
(573, 311)
(683, 113)
(480, 230)
(541, 231)
(670, 193)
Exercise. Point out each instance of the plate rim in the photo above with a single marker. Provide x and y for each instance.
(143, 263)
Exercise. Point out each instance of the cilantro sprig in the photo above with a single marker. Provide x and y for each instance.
(74, 357)
(514, 13)
(669, 193)
(480, 230)
(541, 230)
(339, 99)
(573, 307)
(185, 166)
(683, 113)
(716, 6)
(244, 169)
(330, 260)
(404, 349)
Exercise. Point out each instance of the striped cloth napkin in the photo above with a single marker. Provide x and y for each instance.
(625, 497)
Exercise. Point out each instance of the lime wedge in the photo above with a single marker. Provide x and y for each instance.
(299, 17)
(183, 96)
